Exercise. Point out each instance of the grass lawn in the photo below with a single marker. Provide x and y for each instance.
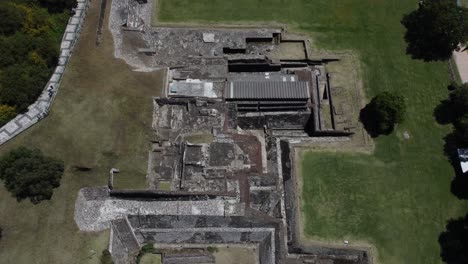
(150, 259)
(397, 198)
(101, 119)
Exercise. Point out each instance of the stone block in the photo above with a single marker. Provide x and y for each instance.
(70, 28)
(25, 121)
(70, 36)
(55, 78)
(4, 137)
(74, 20)
(32, 113)
(78, 13)
(65, 44)
(59, 69)
(11, 127)
(65, 53)
(62, 61)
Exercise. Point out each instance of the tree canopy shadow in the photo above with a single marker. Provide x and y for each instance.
(454, 241)
(459, 185)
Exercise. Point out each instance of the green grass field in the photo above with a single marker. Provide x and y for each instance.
(101, 119)
(398, 199)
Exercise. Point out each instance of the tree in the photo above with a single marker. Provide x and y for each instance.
(21, 84)
(435, 29)
(6, 114)
(58, 6)
(458, 112)
(454, 241)
(29, 174)
(383, 112)
(11, 18)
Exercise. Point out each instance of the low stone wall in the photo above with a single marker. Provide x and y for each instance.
(40, 108)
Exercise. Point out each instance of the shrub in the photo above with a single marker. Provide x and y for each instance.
(29, 174)
(148, 248)
(212, 249)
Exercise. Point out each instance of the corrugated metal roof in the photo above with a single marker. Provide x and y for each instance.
(267, 90)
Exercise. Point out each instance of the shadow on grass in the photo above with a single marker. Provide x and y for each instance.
(454, 241)
(459, 185)
(371, 122)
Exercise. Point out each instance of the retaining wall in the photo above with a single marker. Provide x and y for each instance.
(40, 108)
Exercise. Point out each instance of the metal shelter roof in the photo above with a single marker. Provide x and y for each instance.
(266, 90)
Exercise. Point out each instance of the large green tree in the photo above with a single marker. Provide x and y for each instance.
(11, 18)
(29, 174)
(383, 112)
(436, 29)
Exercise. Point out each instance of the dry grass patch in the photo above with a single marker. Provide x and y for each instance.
(101, 119)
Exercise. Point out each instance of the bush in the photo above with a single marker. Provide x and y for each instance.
(382, 114)
(28, 174)
(6, 114)
(148, 248)
(212, 249)
(106, 257)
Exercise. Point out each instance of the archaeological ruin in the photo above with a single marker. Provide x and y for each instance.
(236, 103)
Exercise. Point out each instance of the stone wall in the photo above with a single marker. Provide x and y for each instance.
(40, 108)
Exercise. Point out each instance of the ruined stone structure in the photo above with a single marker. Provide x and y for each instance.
(220, 167)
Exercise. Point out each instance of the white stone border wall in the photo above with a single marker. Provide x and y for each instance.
(40, 108)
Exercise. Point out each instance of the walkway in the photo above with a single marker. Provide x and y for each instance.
(461, 60)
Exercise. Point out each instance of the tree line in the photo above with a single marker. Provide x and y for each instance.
(30, 35)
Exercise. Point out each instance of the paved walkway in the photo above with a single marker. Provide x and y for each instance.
(40, 108)
(461, 59)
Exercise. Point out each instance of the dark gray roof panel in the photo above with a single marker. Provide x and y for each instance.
(267, 90)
